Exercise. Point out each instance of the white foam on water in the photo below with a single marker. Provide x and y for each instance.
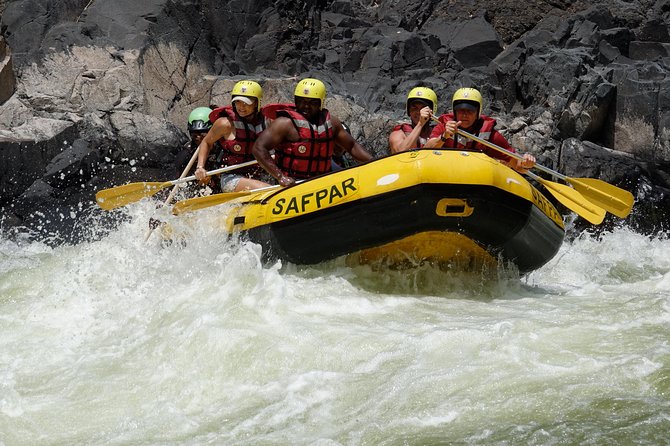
(197, 342)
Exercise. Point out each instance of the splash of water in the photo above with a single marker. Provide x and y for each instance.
(196, 342)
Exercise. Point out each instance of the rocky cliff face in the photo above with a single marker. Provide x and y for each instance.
(96, 93)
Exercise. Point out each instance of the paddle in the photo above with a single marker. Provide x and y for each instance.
(569, 197)
(566, 195)
(128, 193)
(194, 204)
(572, 200)
(186, 170)
(611, 198)
(604, 195)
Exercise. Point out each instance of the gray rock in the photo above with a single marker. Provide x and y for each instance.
(97, 93)
(475, 43)
(7, 79)
(74, 165)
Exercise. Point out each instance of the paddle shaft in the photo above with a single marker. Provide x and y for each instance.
(128, 193)
(194, 204)
(173, 192)
(212, 172)
(569, 197)
(183, 174)
(500, 149)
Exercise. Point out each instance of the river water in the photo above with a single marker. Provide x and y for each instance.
(122, 342)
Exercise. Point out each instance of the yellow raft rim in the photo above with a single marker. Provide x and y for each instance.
(445, 206)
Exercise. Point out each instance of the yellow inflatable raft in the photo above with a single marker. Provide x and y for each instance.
(461, 209)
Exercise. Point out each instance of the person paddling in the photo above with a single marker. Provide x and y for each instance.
(305, 137)
(467, 107)
(235, 129)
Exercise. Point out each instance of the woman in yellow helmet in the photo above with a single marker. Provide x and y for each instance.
(421, 105)
(467, 114)
(235, 129)
(305, 137)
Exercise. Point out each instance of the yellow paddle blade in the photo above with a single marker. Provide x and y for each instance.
(194, 204)
(574, 201)
(128, 193)
(614, 200)
(604, 195)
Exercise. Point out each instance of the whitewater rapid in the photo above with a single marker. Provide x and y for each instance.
(122, 341)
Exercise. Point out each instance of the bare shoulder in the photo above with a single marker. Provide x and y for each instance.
(222, 123)
(281, 120)
(337, 125)
(397, 136)
(335, 120)
(281, 128)
(221, 128)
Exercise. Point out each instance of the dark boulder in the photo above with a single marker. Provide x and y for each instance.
(97, 93)
(7, 79)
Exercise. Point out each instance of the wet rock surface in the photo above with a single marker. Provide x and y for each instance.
(95, 94)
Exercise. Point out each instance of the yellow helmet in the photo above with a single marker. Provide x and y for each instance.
(311, 88)
(425, 94)
(247, 89)
(469, 96)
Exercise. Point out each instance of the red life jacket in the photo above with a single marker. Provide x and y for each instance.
(407, 129)
(484, 130)
(238, 150)
(311, 154)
